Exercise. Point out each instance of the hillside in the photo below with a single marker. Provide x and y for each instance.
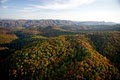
(5, 39)
(107, 44)
(59, 58)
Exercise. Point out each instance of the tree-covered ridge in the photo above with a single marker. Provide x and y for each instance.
(107, 44)
(63, 57)
(6, 38)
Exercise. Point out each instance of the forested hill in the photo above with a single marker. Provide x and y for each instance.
(58, 58)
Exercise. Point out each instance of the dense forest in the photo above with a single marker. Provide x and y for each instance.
(90, 52)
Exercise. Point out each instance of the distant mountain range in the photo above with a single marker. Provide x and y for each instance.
(45, 23)
(63, 24)
(34, 23)
(96, 23)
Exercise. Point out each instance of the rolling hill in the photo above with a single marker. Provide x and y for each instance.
(59, 58)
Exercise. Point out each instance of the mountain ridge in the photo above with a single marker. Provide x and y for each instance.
(49, 22)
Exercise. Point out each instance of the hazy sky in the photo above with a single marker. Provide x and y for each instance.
(78, 10)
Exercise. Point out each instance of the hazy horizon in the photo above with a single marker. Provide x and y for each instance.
(63, 20)
(74, 10)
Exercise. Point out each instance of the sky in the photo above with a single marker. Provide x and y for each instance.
(76, 10)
